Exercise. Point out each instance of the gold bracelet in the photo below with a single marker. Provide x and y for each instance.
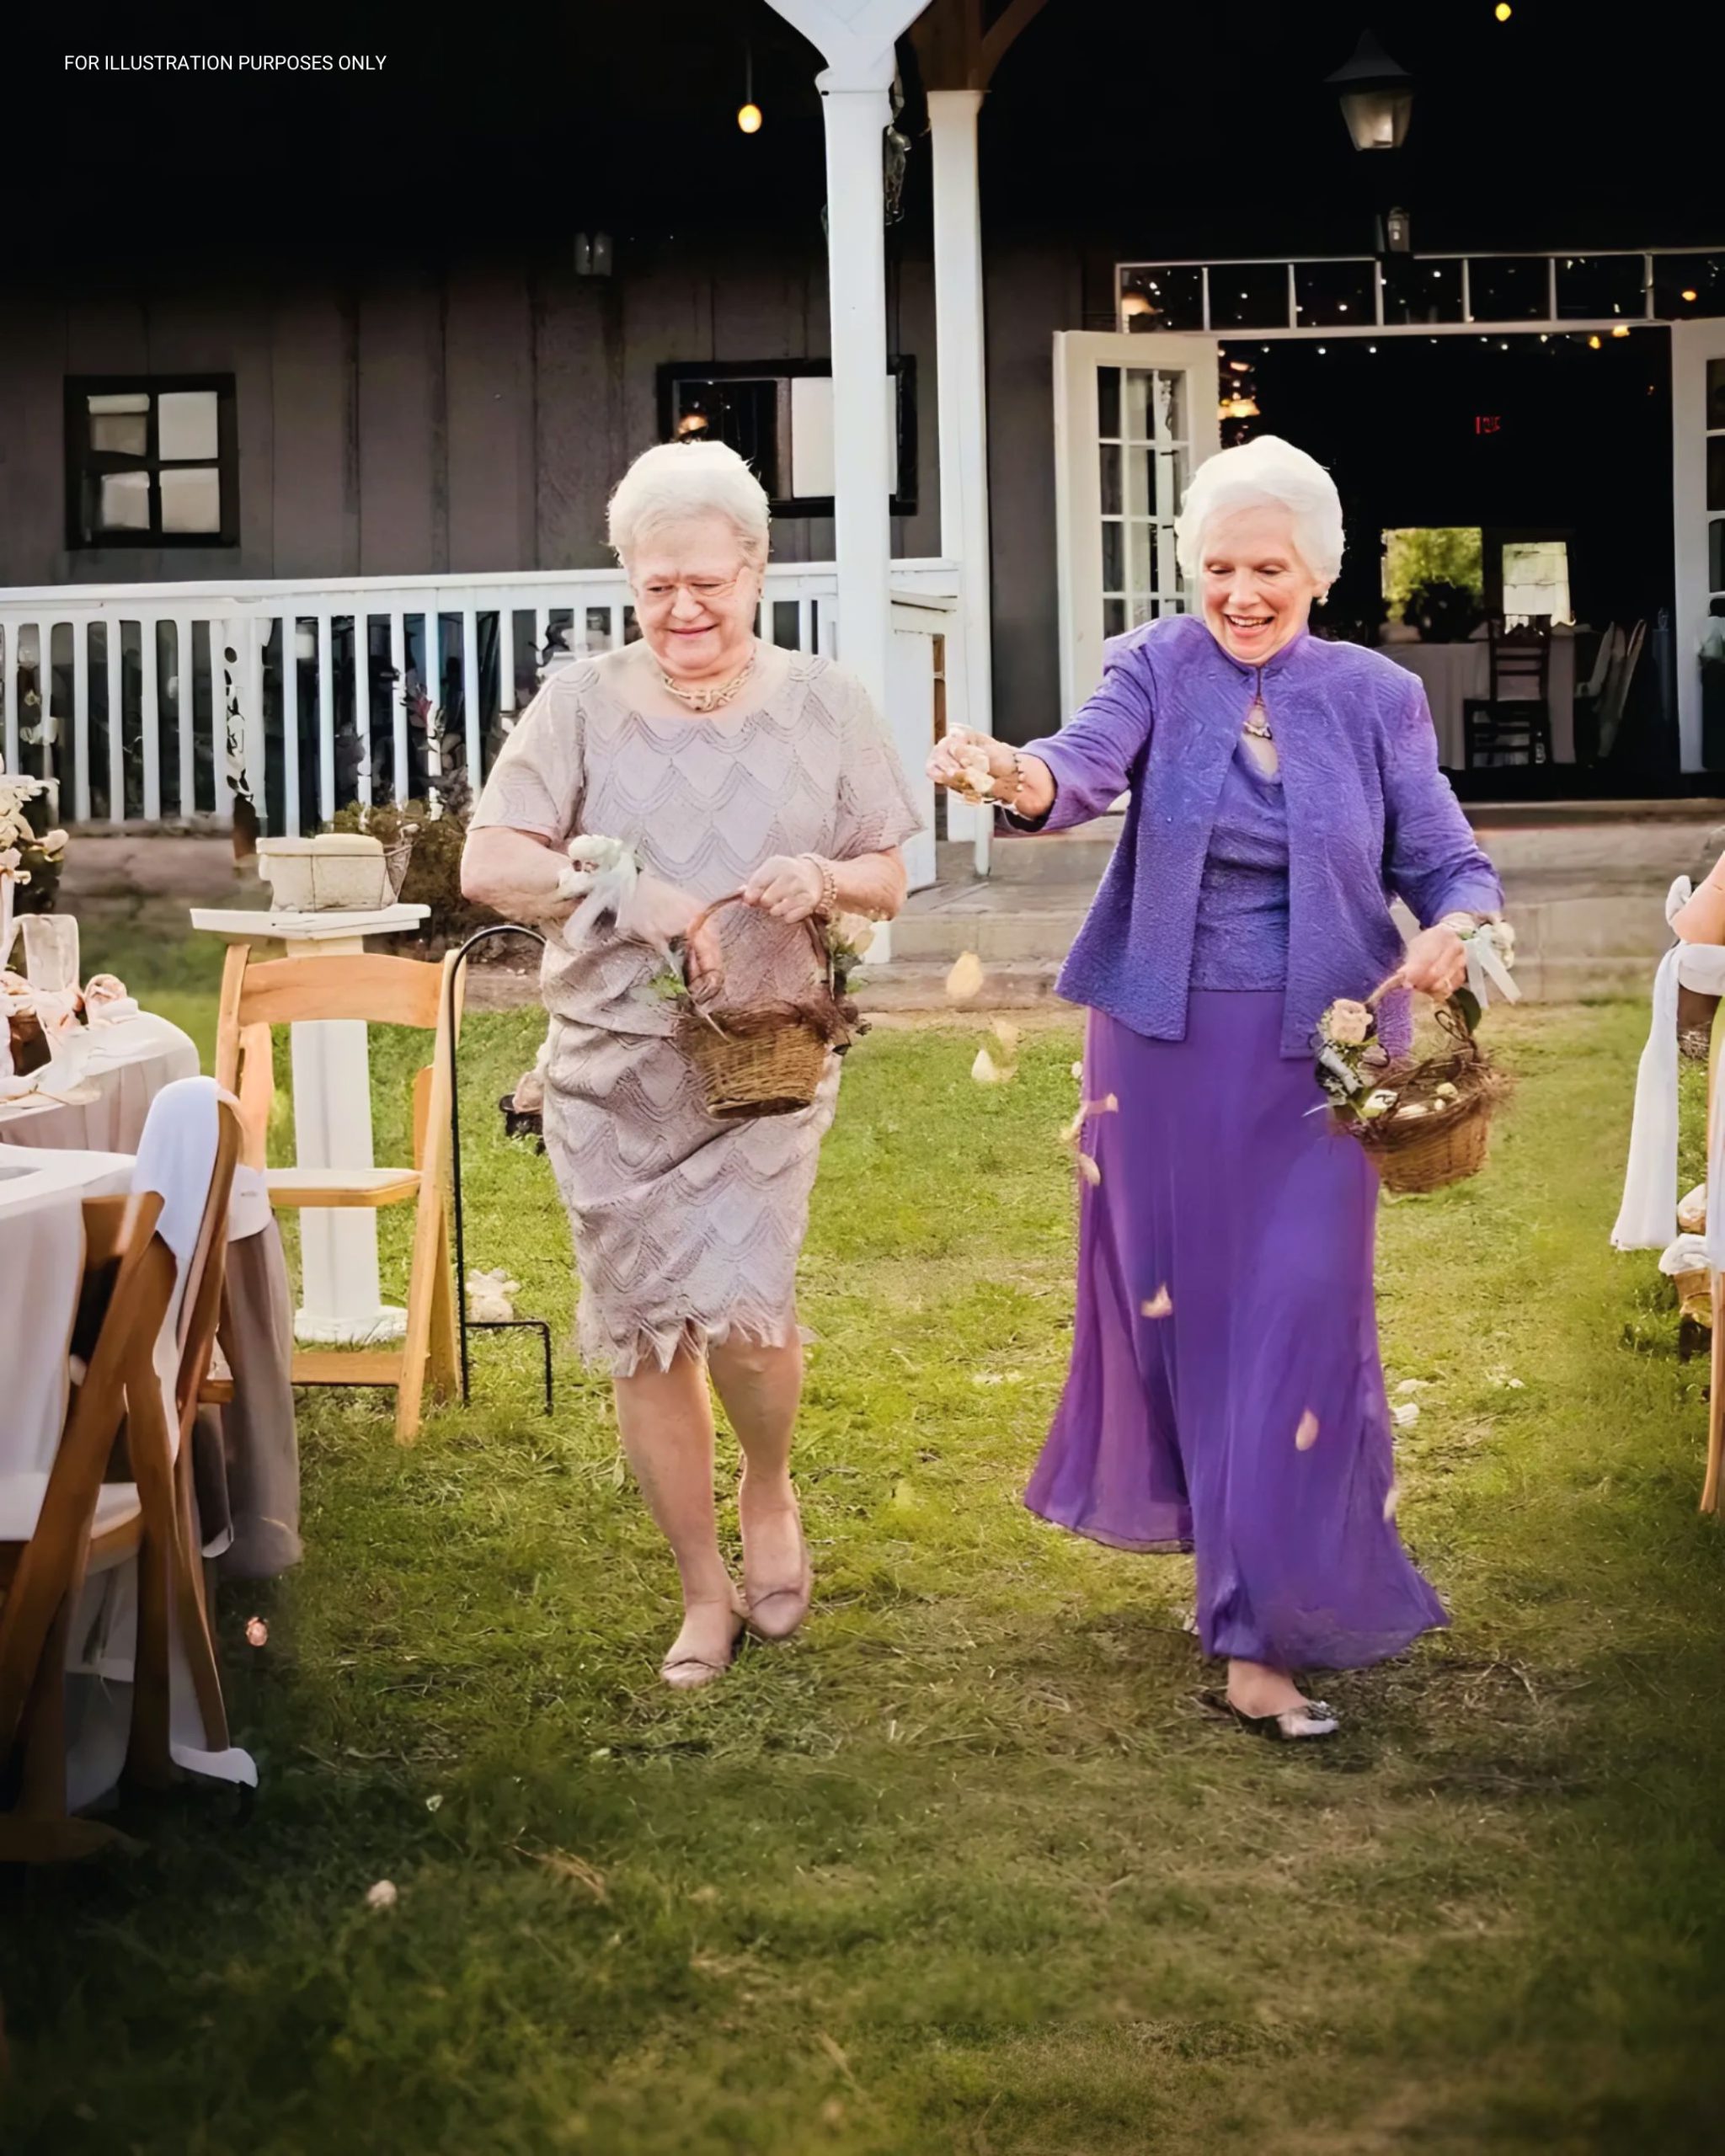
(828, 902)
(1010, 802)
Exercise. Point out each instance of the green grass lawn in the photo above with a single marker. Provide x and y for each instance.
(967, 1867)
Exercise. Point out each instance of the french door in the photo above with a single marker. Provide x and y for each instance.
(1135, 416)
(1698, 493)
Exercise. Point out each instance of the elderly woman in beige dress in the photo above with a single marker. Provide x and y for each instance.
(721, 762)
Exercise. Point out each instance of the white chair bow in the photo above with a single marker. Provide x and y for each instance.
(1647, 1214)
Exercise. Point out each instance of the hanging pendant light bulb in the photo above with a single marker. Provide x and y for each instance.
(748, 113)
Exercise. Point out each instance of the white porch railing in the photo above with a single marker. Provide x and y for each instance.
(155, 702)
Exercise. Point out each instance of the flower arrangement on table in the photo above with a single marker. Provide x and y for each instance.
(1427, 1122)
(44, 1041)
(32, 848)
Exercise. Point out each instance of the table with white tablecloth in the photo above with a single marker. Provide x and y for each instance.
(246, 1458)
(41, 1264)
(1454, 674)
(127, 1061)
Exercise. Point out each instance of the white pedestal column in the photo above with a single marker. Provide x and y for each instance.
(856, 121)
(341, 1302)
(341, 1298)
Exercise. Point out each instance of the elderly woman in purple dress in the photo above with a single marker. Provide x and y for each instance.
(1225, 1393)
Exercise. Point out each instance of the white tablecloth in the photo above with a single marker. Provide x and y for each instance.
(130, 1062)
(1454, 672)
(42, 1263)
(248, 1455)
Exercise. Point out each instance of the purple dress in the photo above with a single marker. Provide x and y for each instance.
(1226, 1395)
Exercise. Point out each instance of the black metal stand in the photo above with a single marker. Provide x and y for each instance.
(465, 1324)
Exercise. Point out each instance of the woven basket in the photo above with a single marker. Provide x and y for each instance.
(1695, 1296)
(768, 1058)
(1416, 1156)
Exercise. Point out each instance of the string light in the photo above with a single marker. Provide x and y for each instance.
(1621, 330)
(1690, 295)
(1503, 11)
(749, 113)
(1593, 341)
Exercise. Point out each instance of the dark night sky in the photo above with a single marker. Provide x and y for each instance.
(1156, 131)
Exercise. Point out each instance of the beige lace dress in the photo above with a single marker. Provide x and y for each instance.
(687, 1230)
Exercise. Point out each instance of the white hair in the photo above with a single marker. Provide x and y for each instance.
(681, 480)
(1266, 471)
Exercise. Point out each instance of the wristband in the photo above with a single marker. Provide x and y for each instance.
(827, 905)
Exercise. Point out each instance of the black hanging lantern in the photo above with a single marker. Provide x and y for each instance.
(1376, 96)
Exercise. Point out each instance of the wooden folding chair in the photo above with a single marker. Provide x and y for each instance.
(1716, 1391)
(170, 1570)
(382, 991)
(80, 1527)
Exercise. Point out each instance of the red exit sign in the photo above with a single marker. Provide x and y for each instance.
(1487, 423)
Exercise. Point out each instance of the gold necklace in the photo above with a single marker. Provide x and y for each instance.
(709, 699)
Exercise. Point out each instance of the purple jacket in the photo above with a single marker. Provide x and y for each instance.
(1369, 816)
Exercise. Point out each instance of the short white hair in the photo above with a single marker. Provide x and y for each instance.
(1267, 472)
(681, 480)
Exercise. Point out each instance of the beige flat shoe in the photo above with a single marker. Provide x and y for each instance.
(688, 1672)
(774, 1612)
(775, 1615)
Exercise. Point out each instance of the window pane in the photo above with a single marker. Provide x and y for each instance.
(1509, 288)
(1139, 421)
(1171, 407)
(1140, 565)
(132, 400)
(1716, 555)
(1114, 565)
(1114, 618)
(1421, 291)
(1162, 299)
(122, 434)
(1536, 580)
(1334, 295)
(1715, 392)
(1140, 481)
(125, 501)
(1108, 403)
(743, 414)
(1688, 283)
(191, 500)
(1248, 296)
(1110, 479)
(1598, 286)
(186, 424)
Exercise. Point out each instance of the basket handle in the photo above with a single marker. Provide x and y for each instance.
(1448, 1019)
(810, 921)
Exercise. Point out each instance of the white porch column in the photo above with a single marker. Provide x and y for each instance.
(963, 387)
(857, 118)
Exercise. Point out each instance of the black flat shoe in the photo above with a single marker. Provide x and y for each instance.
(1298, 1724)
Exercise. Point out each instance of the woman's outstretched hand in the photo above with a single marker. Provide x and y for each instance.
(1436, 962)
(785, 886)
(962, 757)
